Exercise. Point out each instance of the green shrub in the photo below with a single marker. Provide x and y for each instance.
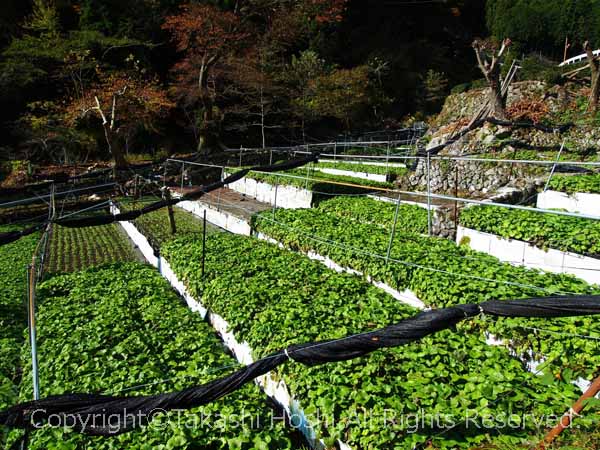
(534, 67)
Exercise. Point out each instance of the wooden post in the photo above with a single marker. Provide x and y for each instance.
(567, 418)
(167, 197)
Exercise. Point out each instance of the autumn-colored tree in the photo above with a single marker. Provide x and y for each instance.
(204, 35)
(121, 102)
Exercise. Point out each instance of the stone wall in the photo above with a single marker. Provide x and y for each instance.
(477, 179)
(445, 221)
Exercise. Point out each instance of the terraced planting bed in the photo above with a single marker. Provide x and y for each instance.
(441, 273)
(300, 188)
(411, 218)
(575, 193)
(14, 259)
(569, 234)
(73, 249)
(122, 329)
(316, 182)
(156, 227)
(365, 171)
(589, 183)
(368, 402)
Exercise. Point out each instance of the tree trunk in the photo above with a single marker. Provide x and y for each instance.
(497, 100)
(208, 141)
(114, 148)
(595, 94)
(490, 67)
(208, 136)
(595, 68)
(119, 156)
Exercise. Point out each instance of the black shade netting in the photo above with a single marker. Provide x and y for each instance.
(130, 215)
(133, 412)
(557, 306)
(11, 236)
(107, 415)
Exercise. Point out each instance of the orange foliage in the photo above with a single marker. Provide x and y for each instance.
(203, 28)
(136, 101)
(531, 110)
(329, 11)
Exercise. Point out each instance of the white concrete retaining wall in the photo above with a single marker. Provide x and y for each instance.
(385, 199)
(270, 383)
(290, 197)
(138, 238)
(222, 219)
(579, 202)
(369, 163)
(524, 254)
(347, 173)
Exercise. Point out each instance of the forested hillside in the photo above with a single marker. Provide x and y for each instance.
(81, 79)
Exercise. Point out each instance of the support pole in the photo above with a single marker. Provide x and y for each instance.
(455, 201)
(387, 161)
(165, 174)
(182, 171)
(554, 165)
(52, 202)
(567, 418)
(393, 232)
(203, 244)
(32, 332)
(167, 197)
(241, 149)
(135, 187)
(429, 193)
(275, 200)
(335, 150)
(271, 157)
(307, 175)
